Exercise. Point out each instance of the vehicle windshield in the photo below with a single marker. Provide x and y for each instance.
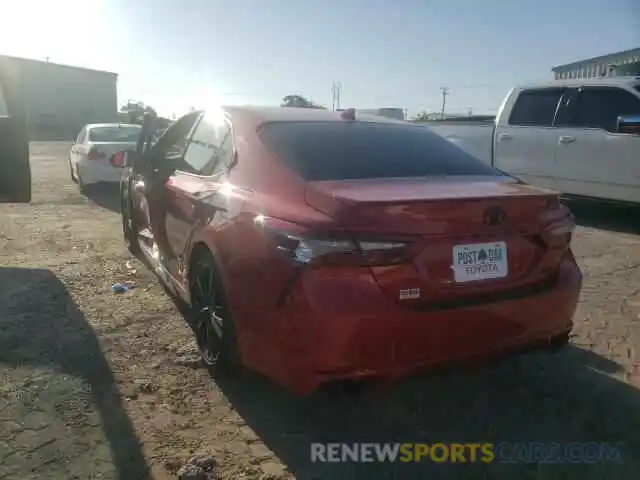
(115, 133)
(359, 150)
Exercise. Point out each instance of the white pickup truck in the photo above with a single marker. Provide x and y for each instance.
(578, 137)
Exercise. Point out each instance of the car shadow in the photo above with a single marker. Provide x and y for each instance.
(46, 340)
(538, 397)
(105, 195)
(605, 215)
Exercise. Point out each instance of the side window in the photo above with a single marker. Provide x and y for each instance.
(200, 151)
(536, 107)
(81, 136)
(173, 142)
(223, 149)
(601, 107)
(210, 148)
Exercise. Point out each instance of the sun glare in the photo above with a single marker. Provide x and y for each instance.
(36, 28)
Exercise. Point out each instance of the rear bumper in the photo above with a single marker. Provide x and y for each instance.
(92, 172)
(352, 330)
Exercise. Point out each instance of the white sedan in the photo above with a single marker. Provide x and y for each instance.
(90, 158)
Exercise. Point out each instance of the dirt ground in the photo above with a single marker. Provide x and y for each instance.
(97, 385)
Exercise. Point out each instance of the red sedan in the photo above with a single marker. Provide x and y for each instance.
(313, 246)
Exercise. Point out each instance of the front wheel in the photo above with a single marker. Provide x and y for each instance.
(212, 321)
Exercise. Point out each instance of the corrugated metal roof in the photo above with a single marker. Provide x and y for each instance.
(43, 62)
(600, 59)
(630, 81)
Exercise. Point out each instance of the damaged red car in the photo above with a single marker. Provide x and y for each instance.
(314, 246)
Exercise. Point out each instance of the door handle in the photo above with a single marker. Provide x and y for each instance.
(504, 136)
(566, 140)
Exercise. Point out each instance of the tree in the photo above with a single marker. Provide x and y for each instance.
(425, 116)
(298, 101)
(133, 112)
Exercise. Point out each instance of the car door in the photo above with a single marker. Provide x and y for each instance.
(193, 191)
(15, 179)
(525, 145)
(592, 158)
(152, 168)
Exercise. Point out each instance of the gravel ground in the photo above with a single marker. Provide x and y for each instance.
(101, 385)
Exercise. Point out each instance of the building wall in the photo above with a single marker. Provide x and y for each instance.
(61, 99)
(389, 112)
(613, 65)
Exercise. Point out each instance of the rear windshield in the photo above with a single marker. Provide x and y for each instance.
(114, 134)
(358, 150)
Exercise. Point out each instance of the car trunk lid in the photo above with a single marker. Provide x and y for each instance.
(463, 235)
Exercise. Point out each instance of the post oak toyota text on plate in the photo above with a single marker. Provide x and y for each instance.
(313, 246)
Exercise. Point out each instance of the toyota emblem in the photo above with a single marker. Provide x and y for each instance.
(494, 216)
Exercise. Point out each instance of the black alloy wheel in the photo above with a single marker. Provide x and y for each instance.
(214, 328)
(129, 227)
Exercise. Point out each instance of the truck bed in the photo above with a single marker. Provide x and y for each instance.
(474, 136)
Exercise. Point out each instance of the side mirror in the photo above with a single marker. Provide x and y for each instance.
(629, 124)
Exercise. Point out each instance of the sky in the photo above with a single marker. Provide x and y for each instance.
(174, 54)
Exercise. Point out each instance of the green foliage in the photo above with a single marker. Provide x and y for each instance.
(299, 101)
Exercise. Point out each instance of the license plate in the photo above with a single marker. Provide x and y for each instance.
(480, 261)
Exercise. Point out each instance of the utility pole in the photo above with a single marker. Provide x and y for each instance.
(336, 95)
(445, 92)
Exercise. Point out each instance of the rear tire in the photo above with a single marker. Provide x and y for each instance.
(129, 226)
(210, 316)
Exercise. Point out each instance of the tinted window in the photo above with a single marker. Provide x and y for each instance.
(210, 146)
(601, 107)
(354, 150)
(535, 107)
(114, 134)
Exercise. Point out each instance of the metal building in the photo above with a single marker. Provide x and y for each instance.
(388, 112)
(60, 99)
(613, 65)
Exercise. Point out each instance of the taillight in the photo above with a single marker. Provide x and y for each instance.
(117, 159)
(94, 154)
(305, 247)
(559, 234)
